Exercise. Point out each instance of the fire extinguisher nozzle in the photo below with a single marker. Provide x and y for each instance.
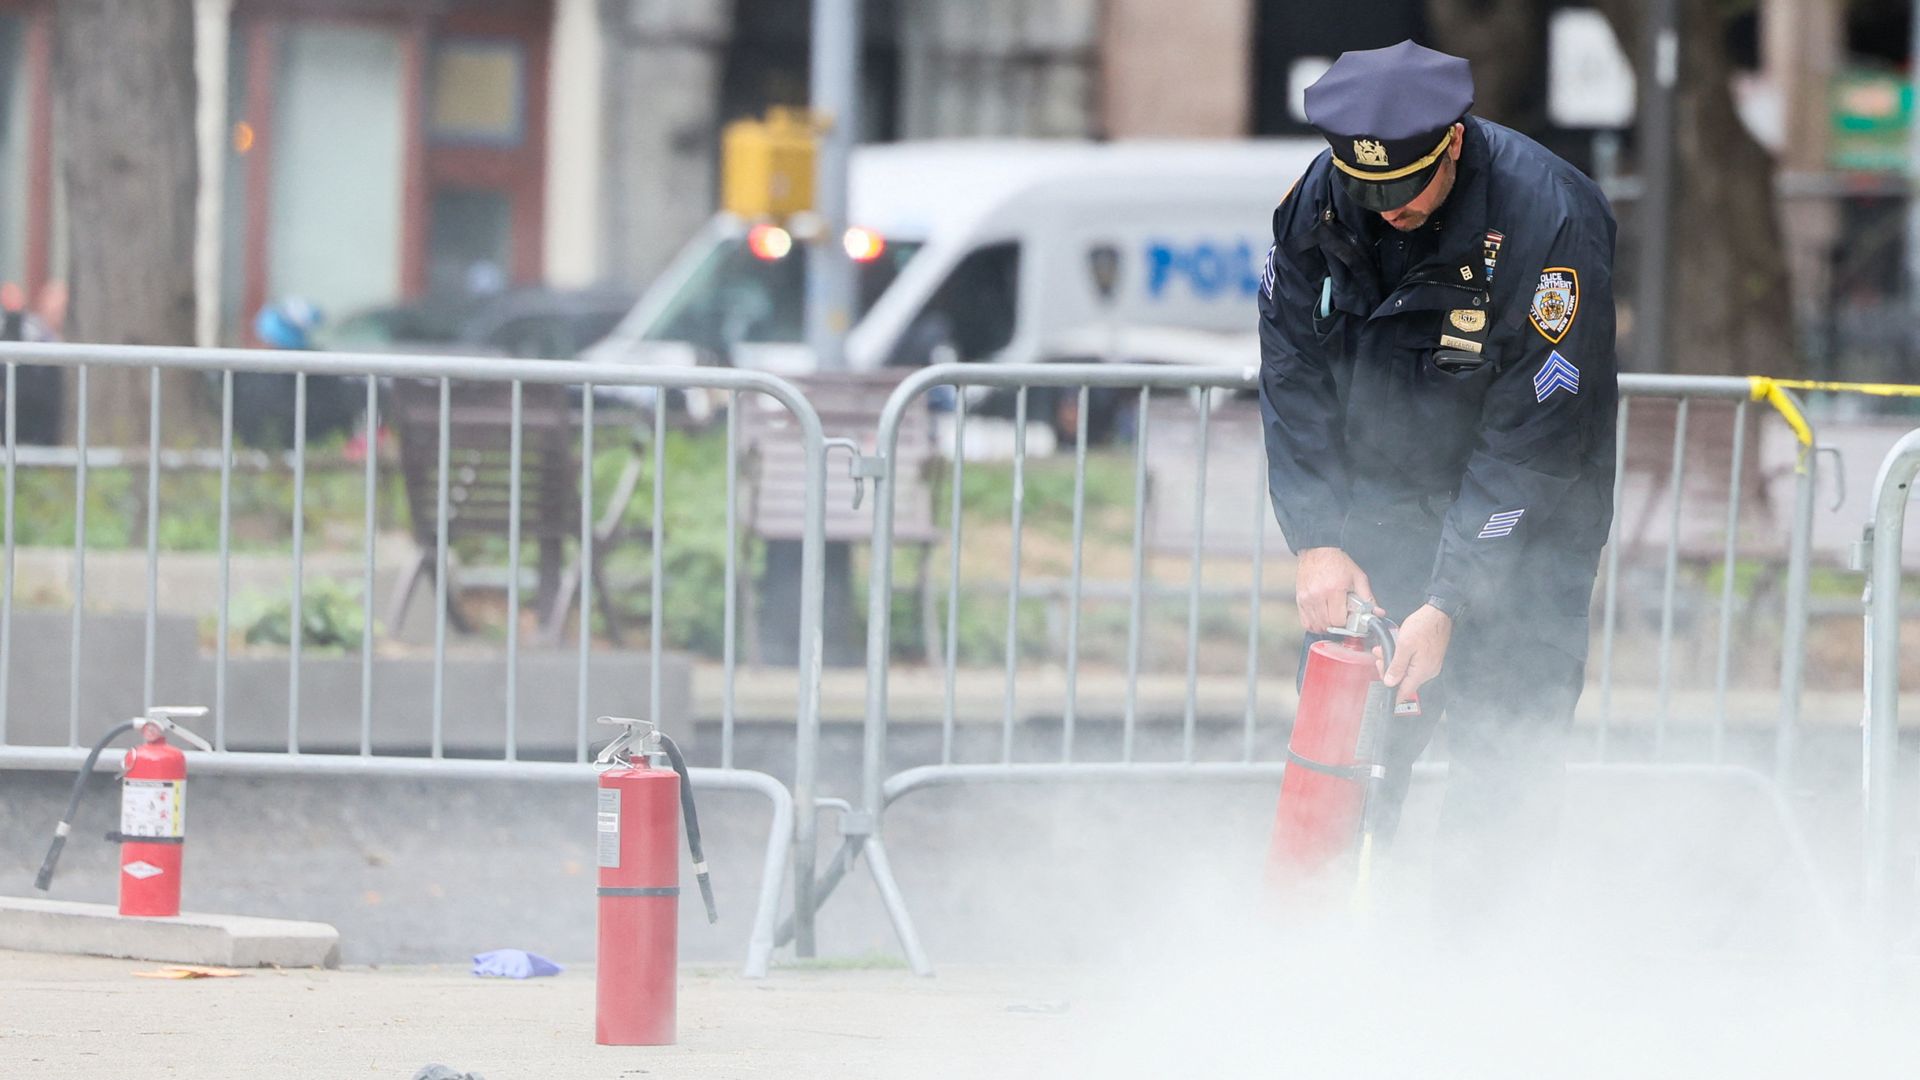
(706, 894)
(44, 879)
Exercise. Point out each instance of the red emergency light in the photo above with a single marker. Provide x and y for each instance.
(769, 242)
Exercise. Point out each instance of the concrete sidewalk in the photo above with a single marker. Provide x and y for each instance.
(1318, 1008)
(83, 1017)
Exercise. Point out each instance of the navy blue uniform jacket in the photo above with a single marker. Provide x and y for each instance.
(1494, 485)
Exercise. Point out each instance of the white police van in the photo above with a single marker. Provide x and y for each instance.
(1000, 251)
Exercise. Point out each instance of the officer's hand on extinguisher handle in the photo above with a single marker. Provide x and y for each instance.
(1419, 651)
(1322, 581)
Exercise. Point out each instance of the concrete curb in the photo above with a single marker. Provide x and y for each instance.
(64, 926)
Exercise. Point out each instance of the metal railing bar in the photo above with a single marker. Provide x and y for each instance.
(1203, 404)
(225, 616)
(1260, 514)
(659, 554)
(79, 555)
(955, 522)
(1013, 576)
(1675, 480)
(515, 457)
(371, 499)
(1880, 767)
(1610, 618)
(296, 633)
(400, 366)
(1793, 647)
(1130, 715)
(585, 555)
(151, 627)
(6, 597)
(1724, 655)
(729, 634)
(440, 564)
(1069, 717)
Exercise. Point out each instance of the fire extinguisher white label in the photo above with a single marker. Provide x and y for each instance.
(153, 808)
(609, 848)
(142, 870)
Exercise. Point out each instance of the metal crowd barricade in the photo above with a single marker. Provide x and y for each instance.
(862, 825)
(792, 829)
(1892, 495)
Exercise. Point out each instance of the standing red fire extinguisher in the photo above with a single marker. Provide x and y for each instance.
(643, 791)
(153, 812)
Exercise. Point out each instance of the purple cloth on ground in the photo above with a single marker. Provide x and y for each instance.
(513, 964)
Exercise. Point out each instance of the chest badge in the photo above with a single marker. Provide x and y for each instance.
(1467, 320)
(1555, 302)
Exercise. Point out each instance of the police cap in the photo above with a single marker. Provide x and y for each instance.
(1389, 115)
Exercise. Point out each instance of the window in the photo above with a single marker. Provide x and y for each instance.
(973, 313)
(335, 199)
(736, 296)
(477, 92)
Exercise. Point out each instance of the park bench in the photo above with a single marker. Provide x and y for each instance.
(479, 493)
(774, 477)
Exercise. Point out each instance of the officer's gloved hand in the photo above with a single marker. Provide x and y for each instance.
(1323, 579)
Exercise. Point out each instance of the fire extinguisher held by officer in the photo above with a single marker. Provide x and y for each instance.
(1438, 392)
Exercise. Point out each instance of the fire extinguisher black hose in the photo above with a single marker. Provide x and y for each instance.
(45, 877)
(1381, 636)
(693, 826)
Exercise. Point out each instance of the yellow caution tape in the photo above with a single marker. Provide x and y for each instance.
(1774, 393)
(1876, 389)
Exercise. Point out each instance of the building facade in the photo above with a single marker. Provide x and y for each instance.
(361, 153)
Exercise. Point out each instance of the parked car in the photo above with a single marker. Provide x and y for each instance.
(532, 323)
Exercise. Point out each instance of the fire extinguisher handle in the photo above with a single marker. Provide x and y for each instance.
(679, 764)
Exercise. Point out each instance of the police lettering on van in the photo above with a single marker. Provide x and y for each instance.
(1208, 269)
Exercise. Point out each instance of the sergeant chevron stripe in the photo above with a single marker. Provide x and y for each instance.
(1558, 373)
(1501, 524)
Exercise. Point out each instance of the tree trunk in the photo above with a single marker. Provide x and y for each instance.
(126, 100)
(1505, 41)
(1730, 310)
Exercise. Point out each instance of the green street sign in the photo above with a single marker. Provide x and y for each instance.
(1869, 111)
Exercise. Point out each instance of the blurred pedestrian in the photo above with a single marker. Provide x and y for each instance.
(1438, 389)
(41, 388)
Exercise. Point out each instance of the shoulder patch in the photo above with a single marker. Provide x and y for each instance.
(1266, 276)
(1555, 302)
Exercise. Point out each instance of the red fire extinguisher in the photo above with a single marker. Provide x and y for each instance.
(153, 812)
(643, 791)
(1332, 792)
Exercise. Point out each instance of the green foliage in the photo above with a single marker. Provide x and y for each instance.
(987, 492)
(261, 509)
(982, 626)
(331, 616)
(693, 531)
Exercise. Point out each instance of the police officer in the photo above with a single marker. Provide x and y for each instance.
(1438, 390)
